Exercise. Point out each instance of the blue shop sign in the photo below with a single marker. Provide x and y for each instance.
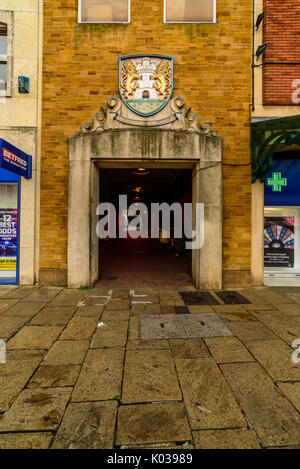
(15, 160)
(282, 183)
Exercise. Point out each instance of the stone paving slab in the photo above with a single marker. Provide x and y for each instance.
(150, 375)
(199, 309)
(94, 300)
(5, 289)
(252, 295)
(151, 298)
(141, 309)
(292, 391)
(89, 311)
(101, 376)
(285, 327)
(49, 376)
(172, 301)
(226, 439)
(34, 337)
(117, 305)
(6, 303)
(270, 296)
(276, 358)
(23, 309)
(67, 352)
(111, 334)
(207, 397)
(36, 409)
(116, 315)
(236, 315)
(14, 374)
(25, 440)
(251, 330)
(68, 298)
(295, 297)
(43, 294)
(273, 418)
(259, 307)
(53, 316)
(88, 425)
(79, 328)
(188, 348)
(228, 350)
(152, 423)
(121, 293)
(20, 292)
(10, 325)
(289, 309)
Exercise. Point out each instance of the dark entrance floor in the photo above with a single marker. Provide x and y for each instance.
(134, 262)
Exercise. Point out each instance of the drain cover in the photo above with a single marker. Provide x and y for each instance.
(198, 298)
(182, 326)
(232, 298)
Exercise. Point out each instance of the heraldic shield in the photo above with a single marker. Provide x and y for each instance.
(146, 82)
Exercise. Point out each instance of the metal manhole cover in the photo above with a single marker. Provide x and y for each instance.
(198, 298)
(232, 297)
(182, 326)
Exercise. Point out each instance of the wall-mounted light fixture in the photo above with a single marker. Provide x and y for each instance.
(260, 50)
(259, 20)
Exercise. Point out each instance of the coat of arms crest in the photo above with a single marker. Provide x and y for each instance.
(146, 82)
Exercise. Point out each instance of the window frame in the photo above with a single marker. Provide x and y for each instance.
(6, 17)
(79, 19)
(192, 22)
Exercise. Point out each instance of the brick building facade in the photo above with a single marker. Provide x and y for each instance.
(211, 71)
(281, 71)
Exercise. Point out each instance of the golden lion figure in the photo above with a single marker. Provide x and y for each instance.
(128, 79)
(162, 79)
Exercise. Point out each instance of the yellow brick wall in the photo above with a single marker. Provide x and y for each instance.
(212, 71)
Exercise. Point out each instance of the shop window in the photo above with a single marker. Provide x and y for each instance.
(103, 11)
(8, 231)
(190, 11)
(6, 34)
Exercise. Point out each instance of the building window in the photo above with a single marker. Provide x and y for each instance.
(189, 11)
(3, 56)
(103, 11)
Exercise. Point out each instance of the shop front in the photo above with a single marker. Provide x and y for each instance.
(276, 163)
(14, 164)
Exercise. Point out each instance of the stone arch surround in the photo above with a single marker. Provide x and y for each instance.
(112, 140)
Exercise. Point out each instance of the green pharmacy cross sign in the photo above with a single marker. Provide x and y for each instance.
(276, 181)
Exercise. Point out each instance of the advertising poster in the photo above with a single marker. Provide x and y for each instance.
(8, 240)
(279, 241)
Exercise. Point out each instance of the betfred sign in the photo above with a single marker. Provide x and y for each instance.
(15, 160)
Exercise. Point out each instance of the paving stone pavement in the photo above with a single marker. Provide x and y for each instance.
(123, 368)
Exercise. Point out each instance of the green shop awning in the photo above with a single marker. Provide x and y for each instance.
(268, 137)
